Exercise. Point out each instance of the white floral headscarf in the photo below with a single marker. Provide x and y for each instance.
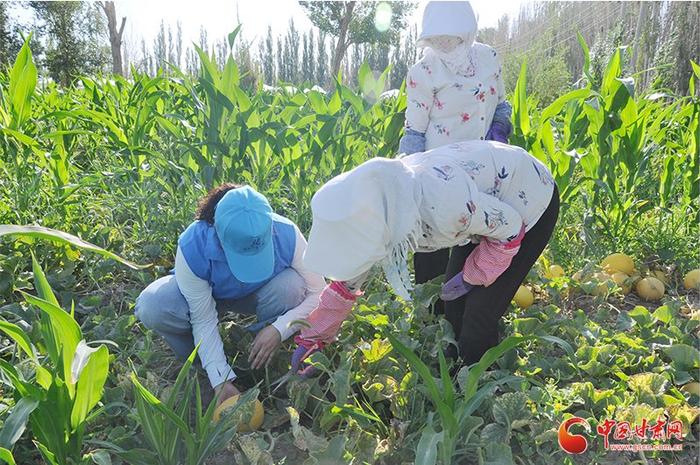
(369, 215)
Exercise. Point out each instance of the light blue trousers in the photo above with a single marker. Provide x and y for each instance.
(163, 309)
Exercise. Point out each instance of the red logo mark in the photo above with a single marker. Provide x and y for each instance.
(573, 443)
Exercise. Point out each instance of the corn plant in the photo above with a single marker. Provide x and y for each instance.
(454, 410)
(65, 385)
(619, 154)
(178, 430)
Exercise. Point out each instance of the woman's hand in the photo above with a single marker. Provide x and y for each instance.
(264, 346)
(302, 352)
(225, 391)
(455, 288)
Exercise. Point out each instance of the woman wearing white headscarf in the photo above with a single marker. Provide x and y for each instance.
(455, 92)
(476, 191)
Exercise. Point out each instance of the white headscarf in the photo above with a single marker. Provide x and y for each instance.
(448, 32)
(448, 19)
(366, 216)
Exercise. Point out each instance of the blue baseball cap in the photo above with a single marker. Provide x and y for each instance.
(243, 222)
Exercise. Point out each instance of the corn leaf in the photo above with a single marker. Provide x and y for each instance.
(16, 422)
(63, 238)
(90, 381)
(16, 333)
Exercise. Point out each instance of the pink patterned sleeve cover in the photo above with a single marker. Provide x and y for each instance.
(490, 259)
(335, 304)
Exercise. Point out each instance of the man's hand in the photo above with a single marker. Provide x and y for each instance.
(264, 346)
(224, 391)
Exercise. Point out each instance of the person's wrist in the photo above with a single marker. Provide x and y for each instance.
(219, 387)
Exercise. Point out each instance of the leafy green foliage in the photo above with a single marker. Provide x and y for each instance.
(69, 377)
(121, 164)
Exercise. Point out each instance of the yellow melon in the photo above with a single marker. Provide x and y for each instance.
(660, 275)
(650, 288)
(691, 388)
(523, 297)
(256, 420)
(618, 262)
(602, 281)
(622, 280)
(554, 271)
(692, 279)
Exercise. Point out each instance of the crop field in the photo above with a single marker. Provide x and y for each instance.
(121, 163)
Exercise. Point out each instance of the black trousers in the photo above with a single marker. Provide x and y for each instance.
(429, 266)
(475, 316)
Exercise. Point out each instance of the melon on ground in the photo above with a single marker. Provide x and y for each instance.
(256, 420)
(692, 279)
(650, 288)
(523, 297)
(618, 262)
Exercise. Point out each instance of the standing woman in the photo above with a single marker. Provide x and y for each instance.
(455, 93)
(237, 256)
(493, 193)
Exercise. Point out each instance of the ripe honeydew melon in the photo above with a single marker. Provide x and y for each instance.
(523, 297)
(691, 388)
(554, 271)
(650, 288)
(618, 262)
(256, 420)
(622, 280)
(692, 279)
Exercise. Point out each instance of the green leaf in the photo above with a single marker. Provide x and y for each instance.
(16, 422)
(426, 451)
(63, 329)
(447, 387)
(685, 356)
(586, 57)
(612, 71)
(555, 107)
(641, 315)
(663, 314)
(378, 349)
(41, 284)
(161, 408)
(333, 453)
(63, 238)
(7, 457)
(233, 34)
(521, 119)
(447, 416)
(16, 333)
(24, 388)
(494, 432)
(498, 454)
(511, 409)
(42, 287)
(494, 353)
(90, 382)
(48, 456)
(23, 78)
(100, 457)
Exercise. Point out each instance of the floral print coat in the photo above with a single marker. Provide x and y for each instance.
(450, 106)
(478, 189)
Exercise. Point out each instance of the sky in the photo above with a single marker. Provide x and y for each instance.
(219, 17)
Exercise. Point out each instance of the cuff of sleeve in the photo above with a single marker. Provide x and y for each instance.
(412, 143)
(219, 373)
(503, 113)
(284, 328)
